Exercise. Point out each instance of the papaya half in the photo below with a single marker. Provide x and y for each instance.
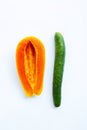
(30, 62)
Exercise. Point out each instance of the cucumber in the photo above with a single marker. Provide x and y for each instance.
(58, 68)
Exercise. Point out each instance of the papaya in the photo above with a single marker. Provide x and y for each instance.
(30, 63)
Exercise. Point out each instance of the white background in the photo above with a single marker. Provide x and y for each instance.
(20, 18)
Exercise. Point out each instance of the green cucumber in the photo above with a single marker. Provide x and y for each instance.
(58, 68)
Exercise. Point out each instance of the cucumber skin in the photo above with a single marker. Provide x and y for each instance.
(58, 68)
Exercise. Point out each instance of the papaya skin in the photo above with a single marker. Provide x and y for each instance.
(30, 64)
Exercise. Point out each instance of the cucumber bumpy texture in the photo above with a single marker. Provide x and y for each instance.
(58, 68)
